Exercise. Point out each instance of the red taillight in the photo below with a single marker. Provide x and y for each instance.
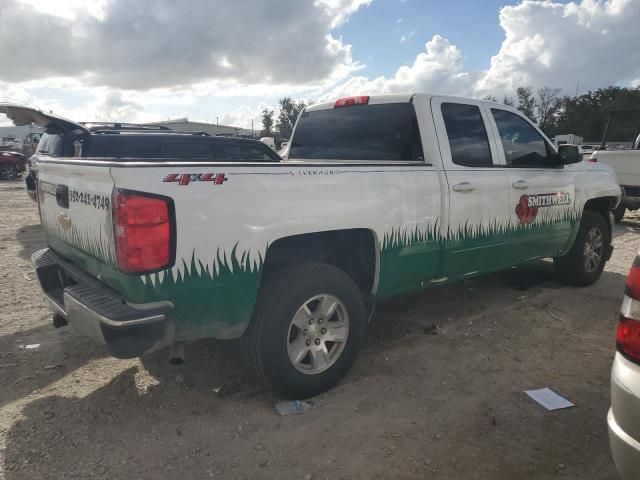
(142, 227)
(633, 281)
(628, 338)
(351, 101)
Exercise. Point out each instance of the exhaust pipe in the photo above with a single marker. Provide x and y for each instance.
(176, 353)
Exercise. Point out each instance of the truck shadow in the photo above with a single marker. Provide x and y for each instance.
(24, 370)
(30, 238)
(99, 427)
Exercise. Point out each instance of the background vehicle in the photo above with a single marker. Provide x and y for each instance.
(12, 164)
(624, 416)
(63, 138)
(381, 196)
(625, 161)
(587, 149)
(269, 142)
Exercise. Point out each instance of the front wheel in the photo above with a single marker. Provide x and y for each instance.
(584, 262)
(307, 329)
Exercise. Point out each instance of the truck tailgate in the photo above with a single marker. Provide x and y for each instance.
(75, 209)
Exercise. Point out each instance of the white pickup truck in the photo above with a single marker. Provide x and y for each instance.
(624, 163)
(379, 196)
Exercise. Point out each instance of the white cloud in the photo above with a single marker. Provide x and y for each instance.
(438, 69)
(69, 9)
(243, 116)
(142, 44)
(554, 44)
(341, 10)
(406, 37)
(140, 60)
(545, 43)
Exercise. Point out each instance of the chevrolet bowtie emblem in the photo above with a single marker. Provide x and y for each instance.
(64, 221)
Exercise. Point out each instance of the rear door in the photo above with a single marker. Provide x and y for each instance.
(542, 193)
(478, 191)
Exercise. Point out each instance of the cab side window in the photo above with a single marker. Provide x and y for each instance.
(467, 135)
(523, 145)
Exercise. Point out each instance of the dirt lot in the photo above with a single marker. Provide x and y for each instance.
(443, 403)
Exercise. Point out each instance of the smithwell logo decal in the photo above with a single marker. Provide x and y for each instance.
(187, 178)
(527, 208)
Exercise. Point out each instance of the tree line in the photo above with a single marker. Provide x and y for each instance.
(279, 124)
(584, 115)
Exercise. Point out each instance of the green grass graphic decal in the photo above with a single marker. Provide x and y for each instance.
(93, 243)
(214, 299)
(496, 229)
(405, 256)
(398, 239)
(408, 258)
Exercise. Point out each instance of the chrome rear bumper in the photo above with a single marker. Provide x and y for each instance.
(96, 311)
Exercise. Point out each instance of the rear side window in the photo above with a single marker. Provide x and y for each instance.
(121, 146)
(235, 152)
(467, 135)
(181, 148)
(523, 145)
(364, 132)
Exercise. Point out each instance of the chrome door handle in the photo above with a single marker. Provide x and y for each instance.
(520, 185)
(463, 187)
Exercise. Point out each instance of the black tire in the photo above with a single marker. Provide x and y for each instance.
(618, 213)
(572, 267)
(267, 338)
(8, 172)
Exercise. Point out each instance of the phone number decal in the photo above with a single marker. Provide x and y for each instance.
(95, 200)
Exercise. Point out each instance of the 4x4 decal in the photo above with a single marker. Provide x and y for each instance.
(187, 178)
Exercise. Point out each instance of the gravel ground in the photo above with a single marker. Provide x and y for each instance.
(436, 394)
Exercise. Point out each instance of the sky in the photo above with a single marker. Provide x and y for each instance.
(215, 60)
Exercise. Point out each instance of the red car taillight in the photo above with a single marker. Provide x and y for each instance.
(144, 231)
(628, 333)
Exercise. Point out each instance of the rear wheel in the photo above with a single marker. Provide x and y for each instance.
(307, 329)
(8, 171)
(584, 262)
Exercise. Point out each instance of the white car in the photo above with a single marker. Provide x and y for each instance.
(587, 149)
(624, 415)
(380, 196)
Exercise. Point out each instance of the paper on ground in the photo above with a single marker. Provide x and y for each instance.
(549, 399)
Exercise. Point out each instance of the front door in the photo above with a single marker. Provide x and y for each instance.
(542, 193)
(478, 192)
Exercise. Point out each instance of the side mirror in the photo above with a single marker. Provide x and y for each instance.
(569, 154)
